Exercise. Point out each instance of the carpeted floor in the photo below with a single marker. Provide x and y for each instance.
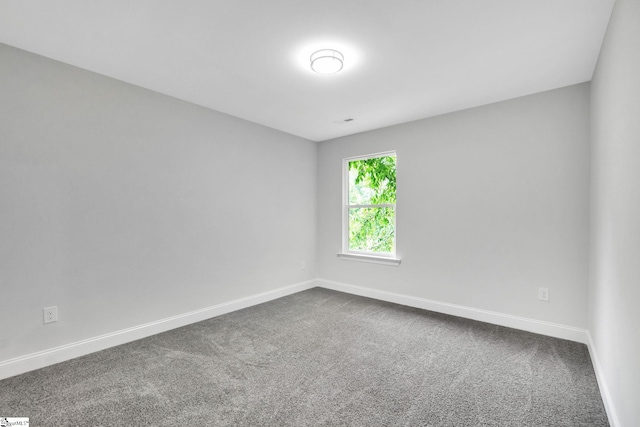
(319, 358)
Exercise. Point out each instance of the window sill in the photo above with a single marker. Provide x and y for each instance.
(394, 262)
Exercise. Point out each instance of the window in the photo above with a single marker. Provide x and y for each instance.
(369, 217)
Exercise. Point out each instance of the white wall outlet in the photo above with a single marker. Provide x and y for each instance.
(543, 294)
(50, 314)
(303, 265)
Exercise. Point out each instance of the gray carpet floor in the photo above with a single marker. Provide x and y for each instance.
(319, 358)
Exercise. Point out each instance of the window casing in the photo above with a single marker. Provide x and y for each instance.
(369, 206)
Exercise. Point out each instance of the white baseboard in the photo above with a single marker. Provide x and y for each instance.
(29, 362)
(537, 326)
(545, 328)
(602, 384)
(22, 364)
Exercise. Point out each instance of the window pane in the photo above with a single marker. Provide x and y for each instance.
(371, 229)
(372, 181)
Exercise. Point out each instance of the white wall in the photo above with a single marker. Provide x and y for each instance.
(493, 202)
(123, 206)
(615, 231)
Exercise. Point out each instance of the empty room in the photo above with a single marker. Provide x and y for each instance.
(335, 213)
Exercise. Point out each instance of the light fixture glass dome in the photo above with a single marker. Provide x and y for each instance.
(326, 61)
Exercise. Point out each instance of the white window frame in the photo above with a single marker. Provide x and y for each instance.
(373, 257)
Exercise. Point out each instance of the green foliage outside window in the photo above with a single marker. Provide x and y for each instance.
(372, 182)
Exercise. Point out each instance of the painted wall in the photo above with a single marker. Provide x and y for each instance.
(493, 202)
(123, 206)
(615, 231)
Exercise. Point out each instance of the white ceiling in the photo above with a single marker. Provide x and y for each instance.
(404, 59)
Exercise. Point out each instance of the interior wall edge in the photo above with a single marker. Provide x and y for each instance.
(516, 322)
(22, 364)
(33, 361)
(607, 399)
(531, 325)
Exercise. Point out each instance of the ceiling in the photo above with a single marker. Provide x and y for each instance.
(404, 59)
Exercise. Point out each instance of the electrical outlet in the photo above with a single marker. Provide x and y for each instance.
(303, 265)
(543, 294)
(50, 314)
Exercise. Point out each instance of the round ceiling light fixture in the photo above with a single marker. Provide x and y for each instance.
(326, 61)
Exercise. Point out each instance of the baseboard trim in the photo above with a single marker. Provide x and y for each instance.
(602, 384)
(41, 359)
(531, 325)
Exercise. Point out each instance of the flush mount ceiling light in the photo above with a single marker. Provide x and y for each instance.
(326, 61)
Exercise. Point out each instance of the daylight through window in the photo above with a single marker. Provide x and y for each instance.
(370, 205)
